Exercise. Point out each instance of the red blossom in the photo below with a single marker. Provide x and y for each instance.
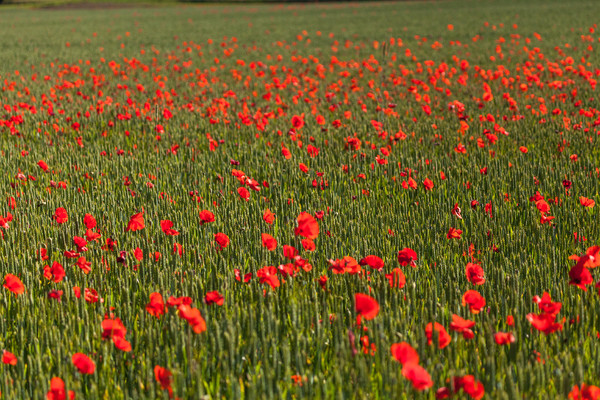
(372, 261)
(474, 300)
(136, 222)
(60, 215)
(156, 306)
(407, 256)
(13, 284)
(214, 297)
(166, 225)
(9, 358)
(404, 353)
(417, 375)
(444, 338)
(453, 233)
(83, 363)
(307, 226)
(475, 274)
(366, 306)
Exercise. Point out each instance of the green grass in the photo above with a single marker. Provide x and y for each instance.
(260, 338)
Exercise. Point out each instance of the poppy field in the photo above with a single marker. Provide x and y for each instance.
(362, 200)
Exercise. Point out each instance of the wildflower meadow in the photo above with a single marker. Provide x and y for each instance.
(390, 200)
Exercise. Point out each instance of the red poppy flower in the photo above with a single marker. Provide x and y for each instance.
(156, 306)
(298, 121)
(56, 273)
(584, 201)
(372, 261)
(297, 379)
(502, 338)
(456, 211)
(444, 338)
(453, 233)
(404, 353)
(9, 358)
(268, 275)
(60, 215)
(214, 297)
(268, 216)
(537, 197)
(546, 304)
(307, 226)
(84, 364)
(417, 375)
(55, 294)
(591, 258)
(84, 265)
(470, 386)
(412, 184)
(546, 219)
(14, 284)
(323, 282)
(206, 217)
(110, 244)
(43, 165)
(57, 390)
(90, 295)
(166, 225)
(289, 251)
(89, 221)
(121, 343)
(345, 265)
(587, 392)
(138, 254)
(544, 322)
(308, 245)
(136, 222)
(474, 300)
(92, 236)
(542, 206)
(269, 241)
(475, 274)
(285, 152)
(178, 301)
(114, 329)
(312, 151)
(222, 240)
(462, 325)
(177, 249)
(428, 183)
(44, 254)
(243, 193)
(366, 306)
(580, 277)
(193, 317)
(71, 254)
(396, 278)
(80, 243)
(164, 377)
(407, 256)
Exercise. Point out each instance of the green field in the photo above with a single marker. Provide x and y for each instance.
(387, 125)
